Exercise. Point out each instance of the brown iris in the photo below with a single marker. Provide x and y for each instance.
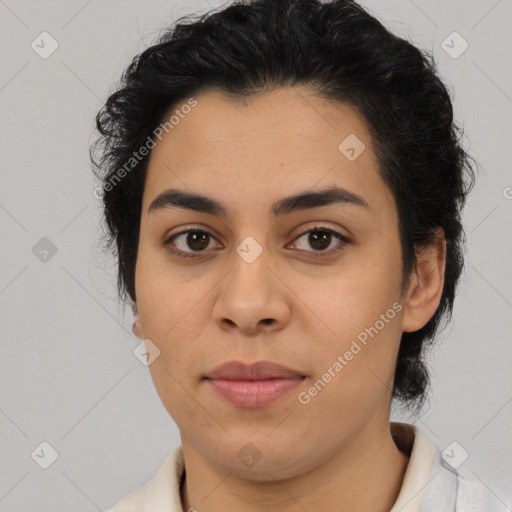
(317, 239)
(198, 240)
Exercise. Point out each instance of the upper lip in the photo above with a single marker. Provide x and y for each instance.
(259, 370)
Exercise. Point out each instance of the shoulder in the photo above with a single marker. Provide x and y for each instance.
(129, 503)
(159, 493)
(436, 481)
(476, 495)
(461, 490)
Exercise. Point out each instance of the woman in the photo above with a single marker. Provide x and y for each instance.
(283, 183)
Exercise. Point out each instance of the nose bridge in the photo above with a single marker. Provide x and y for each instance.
(250, 268)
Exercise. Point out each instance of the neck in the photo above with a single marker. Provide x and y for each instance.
(367, 474)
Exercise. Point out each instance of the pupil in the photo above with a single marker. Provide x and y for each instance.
(319, 237)
(196, 239)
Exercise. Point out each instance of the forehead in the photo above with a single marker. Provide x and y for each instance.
(284, 140)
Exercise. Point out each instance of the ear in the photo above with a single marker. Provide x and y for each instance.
(426, 284)
(136, 322)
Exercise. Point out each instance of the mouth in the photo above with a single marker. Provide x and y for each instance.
(259, 370)
(253, 385)
(253, 394)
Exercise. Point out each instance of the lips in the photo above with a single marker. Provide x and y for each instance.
(253, 385)
(260, 370)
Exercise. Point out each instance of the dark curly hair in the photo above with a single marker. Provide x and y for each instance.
(344, 54)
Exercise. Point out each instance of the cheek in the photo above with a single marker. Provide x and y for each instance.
(358, 317)
(174, 309)
(347, 301)
(177, 394)
(354, 373)
(166, 300)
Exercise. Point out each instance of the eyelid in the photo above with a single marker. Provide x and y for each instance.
(320, 226)
(188, 228)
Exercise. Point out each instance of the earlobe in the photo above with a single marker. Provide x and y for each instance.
(426, 284)
(136, 322)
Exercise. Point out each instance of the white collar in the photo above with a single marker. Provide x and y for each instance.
(411, 440)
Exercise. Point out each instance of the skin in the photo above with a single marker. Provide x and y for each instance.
(202, 311)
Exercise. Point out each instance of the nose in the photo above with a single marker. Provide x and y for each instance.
(252, 299)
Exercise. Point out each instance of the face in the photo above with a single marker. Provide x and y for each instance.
(302, 286)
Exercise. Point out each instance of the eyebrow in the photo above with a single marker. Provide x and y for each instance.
(286, 205)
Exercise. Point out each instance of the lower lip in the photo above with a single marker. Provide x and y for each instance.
(254, 393)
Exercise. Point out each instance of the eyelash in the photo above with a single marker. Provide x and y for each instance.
(315, 254)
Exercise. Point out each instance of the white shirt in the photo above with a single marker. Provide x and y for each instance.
(429, 485)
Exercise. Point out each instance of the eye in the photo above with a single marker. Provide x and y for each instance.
(321, 239)
(195, 239)
(193, 242)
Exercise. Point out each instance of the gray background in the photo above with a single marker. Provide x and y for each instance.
(68, 375)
